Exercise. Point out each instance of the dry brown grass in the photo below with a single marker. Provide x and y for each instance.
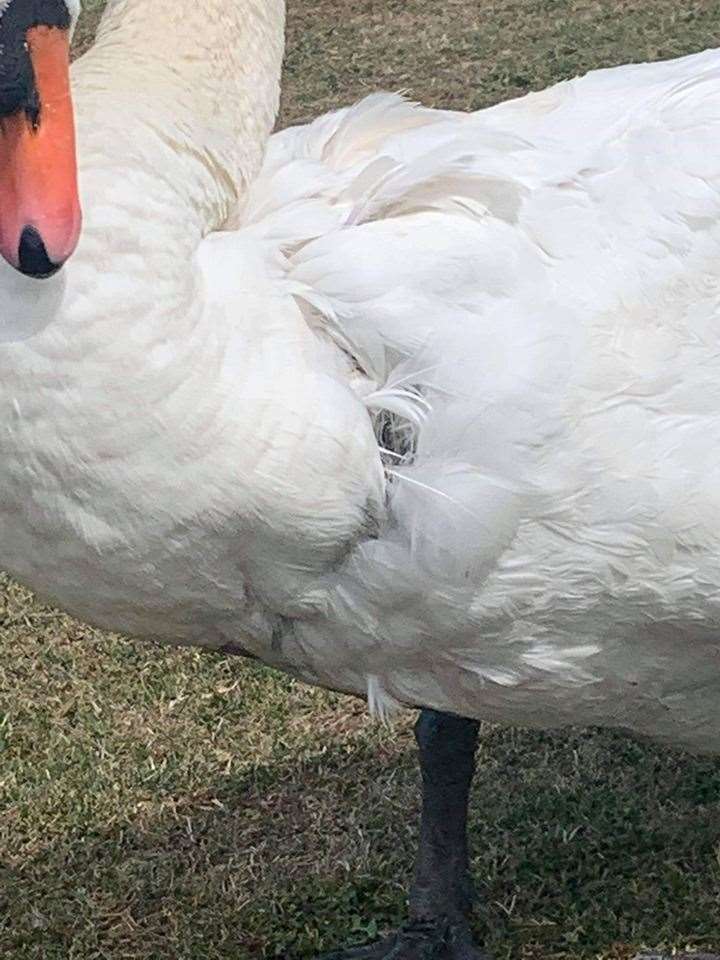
(465, 55)
(158, 804)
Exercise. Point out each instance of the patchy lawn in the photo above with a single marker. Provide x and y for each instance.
(159, 804)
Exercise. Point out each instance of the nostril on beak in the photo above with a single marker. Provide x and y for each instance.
(33, 259)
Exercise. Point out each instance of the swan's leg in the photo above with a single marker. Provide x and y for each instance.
(441, 894)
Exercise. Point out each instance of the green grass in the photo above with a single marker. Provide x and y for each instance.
(159, 804)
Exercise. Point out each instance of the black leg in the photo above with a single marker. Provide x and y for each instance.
(441, 894)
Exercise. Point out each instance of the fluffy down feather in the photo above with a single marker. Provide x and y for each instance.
(436, 422)
(530, 296)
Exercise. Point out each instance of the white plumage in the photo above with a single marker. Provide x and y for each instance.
(435, 421)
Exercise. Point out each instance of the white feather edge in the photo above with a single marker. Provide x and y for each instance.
(381, 163)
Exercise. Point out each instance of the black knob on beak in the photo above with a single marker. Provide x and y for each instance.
(33, 259)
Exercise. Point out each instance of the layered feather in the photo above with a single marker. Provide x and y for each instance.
(530, 298)
(435, 422)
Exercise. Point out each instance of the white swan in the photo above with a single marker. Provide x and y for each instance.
(435, 422)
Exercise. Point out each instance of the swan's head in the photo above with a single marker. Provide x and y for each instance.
(39, 205)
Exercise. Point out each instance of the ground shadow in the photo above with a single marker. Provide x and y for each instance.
(583, 842)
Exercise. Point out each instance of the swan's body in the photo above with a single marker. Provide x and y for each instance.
(188, 449)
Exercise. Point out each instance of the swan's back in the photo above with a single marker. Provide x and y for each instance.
(531, 294)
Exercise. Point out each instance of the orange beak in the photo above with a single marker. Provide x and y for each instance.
(39, 204)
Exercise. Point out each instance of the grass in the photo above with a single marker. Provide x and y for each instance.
(163, 804)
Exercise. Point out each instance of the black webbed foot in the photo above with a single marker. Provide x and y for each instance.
(428, 940)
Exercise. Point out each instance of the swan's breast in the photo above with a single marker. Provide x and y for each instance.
(208, 462)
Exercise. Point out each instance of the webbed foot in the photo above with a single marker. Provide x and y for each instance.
(427, 940)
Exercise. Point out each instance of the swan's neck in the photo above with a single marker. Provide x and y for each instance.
(204, 77)
(174, 106)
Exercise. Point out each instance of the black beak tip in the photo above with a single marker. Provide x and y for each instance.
(33, 259)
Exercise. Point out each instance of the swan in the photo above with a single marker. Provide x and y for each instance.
(412, 404)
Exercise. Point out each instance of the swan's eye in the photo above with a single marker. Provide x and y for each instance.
(18, 82)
